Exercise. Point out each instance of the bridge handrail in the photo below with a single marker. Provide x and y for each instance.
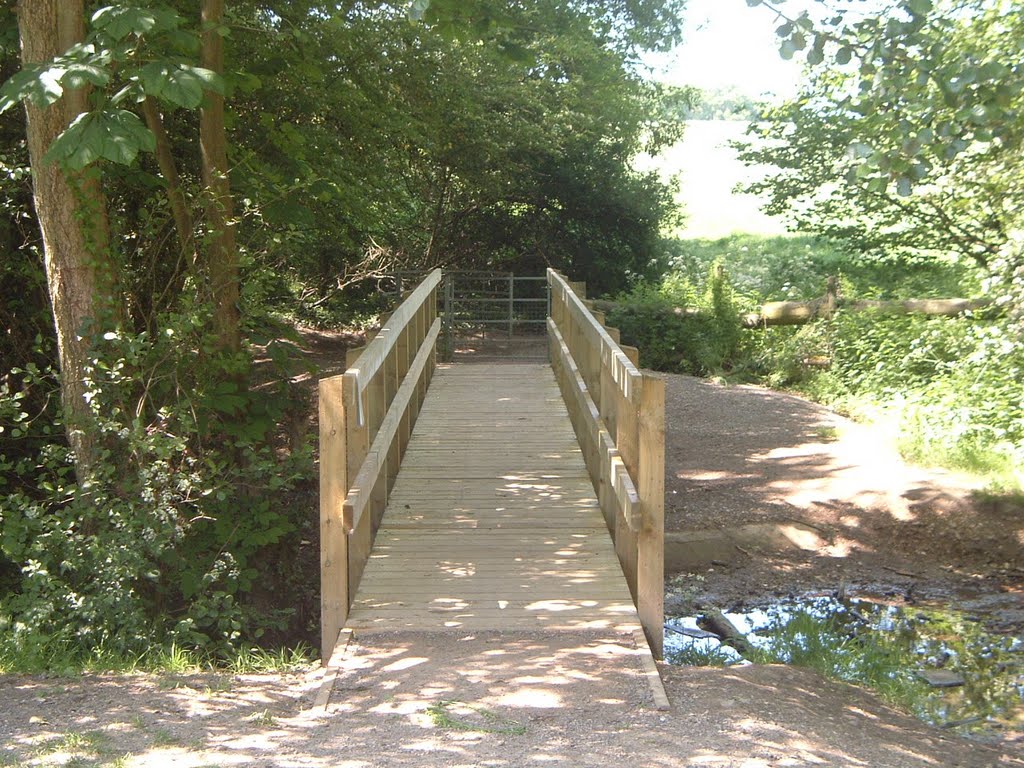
(618, 414)
(377, 351)
(366, 418)
(578, 318)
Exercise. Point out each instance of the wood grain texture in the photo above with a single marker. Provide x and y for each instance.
(493, 522)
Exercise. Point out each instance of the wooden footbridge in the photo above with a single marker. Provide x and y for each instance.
(501, 496)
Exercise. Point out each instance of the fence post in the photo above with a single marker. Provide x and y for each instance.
(333, 539)
(651, 489)
(511, 301)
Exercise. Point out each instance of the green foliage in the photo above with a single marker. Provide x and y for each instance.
(162, 542)
(949, 387)
(797, 267)
(703, 340)
(136, 53)
(490, 136)
(906, 137)
(719, 104)
(114, 135)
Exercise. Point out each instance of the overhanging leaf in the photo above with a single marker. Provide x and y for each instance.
(114, 135)
(179, 84)
(40, 85)
(119, 21)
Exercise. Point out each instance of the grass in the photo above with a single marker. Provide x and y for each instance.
(51, 656)
(694, 656)
(261, 661)
(263, 719)
(441, 716)
(73, 748)
(164, 738)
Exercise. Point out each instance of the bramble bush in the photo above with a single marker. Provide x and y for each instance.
(162, 542)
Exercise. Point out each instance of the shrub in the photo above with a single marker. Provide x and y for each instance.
(161, 542)
(670, 338)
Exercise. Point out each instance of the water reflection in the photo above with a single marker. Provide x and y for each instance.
(940, 664)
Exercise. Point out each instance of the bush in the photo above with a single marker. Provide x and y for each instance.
(653, 319)
(161, 542)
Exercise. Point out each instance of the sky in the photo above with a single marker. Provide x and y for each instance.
(728, 43)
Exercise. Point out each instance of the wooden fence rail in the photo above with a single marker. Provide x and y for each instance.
(366, 417)
(618, 414)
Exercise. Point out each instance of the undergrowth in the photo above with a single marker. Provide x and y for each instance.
(947, 389)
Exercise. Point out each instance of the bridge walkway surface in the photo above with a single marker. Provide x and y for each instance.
(491, 531)
(493, 523)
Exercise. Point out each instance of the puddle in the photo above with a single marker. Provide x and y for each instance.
(939, 664)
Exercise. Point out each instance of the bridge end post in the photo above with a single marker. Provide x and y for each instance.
(333, 539)
(651, 489)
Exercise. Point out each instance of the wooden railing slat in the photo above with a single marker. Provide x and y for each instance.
(362, 486)
(377, 352)
(366, 418)
(619, 421)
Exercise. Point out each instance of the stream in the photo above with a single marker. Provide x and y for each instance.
(940, 664)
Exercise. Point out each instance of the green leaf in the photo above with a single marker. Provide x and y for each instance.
(844, 55)
(817, 53)
(40, 85)
(114, 135)
(919, 7)
(119, 21)
(79, 74)
(179, 84)
(787, 49)
(904, 186)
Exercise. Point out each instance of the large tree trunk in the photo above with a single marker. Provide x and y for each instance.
(72, 214)
(222, 254)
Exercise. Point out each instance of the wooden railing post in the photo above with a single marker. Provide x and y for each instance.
(333, 539)
(651, 488)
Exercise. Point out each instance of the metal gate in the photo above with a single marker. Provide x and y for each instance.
(491, 315)
(495, 315)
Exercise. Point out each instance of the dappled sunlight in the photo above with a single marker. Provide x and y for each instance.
(418, 700)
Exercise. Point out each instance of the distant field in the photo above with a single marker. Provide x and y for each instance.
(708, 171)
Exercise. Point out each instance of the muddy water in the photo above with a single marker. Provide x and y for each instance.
(940, 664)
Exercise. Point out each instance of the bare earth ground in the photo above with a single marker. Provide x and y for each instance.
(740, 459)
(736, 458)
(407, 700)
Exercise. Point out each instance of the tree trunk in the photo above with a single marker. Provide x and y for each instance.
(183, 224)
(222, 254)
(802, 312)
(72, 214)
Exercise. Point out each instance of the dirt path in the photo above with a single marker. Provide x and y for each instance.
(736, 458)
(761, 465)
(471, 700)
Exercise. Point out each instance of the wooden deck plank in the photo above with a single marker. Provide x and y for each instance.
(493, 522)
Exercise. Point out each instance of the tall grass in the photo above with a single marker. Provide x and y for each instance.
(53, 656)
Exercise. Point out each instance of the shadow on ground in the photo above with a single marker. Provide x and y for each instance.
(473, 700)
